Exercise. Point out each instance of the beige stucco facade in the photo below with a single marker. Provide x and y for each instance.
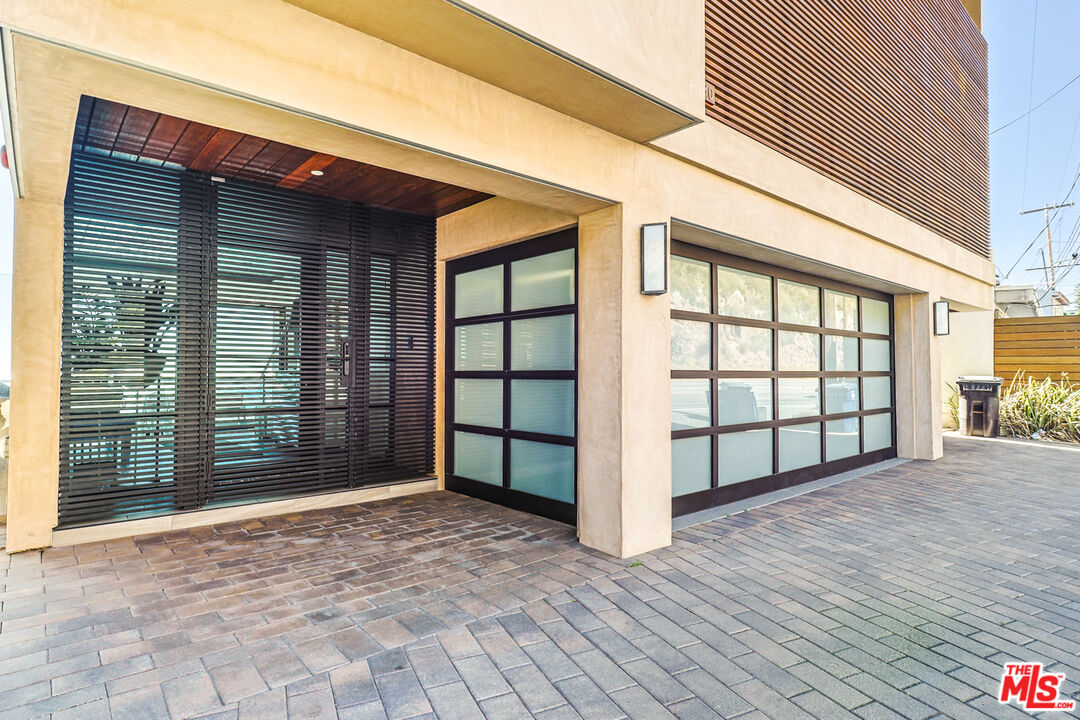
(326, 86)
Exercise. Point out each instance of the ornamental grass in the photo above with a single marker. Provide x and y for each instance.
(1042, 410)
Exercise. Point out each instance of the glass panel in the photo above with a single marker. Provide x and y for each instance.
(691, 404)
(743, 401)
(799, 397)
(542, 469)
(797, 303)
(743, 294)
(876, 355)
(545, 343)
(841, 394)
(841, 311)
(691, 465)
(877, 392)
(841, 438)
(743, 348)
(478, 457)
(478, 402)
(841, 353)
(690, 345)
(479, 347)
(877, 432)
(543, 406)
(875, 316)
(744, 455)
(800, 446)
(690, 288)
(542, 281)
(799, 351)
(479, 292)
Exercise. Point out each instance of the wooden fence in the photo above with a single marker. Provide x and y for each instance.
(1037, 346)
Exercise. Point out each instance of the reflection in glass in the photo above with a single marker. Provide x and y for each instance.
(542, 469)
(875, 316)
(797, 303)
(479, 347)
(877, 432)
(876, 355)
(478, 402)
(743, 294)
(841, 438)
(690, 287)
(542, 406)
(877, 392)
(841, 394)
(841, 310)
(478, 457)
(545, 343)
(743, 348)
(798, 351)
(479, 292)
(542, 281)
(744, 455)
(743, 401)
(691, 465)
(691, 345)
(691, 405)
(800, 446)
(841, 353)
(798, 397)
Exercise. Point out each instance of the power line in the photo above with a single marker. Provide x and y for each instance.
(1039, 234)
(1031, 90)
(1046, 100)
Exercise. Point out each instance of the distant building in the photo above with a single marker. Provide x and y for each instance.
(1013, 301)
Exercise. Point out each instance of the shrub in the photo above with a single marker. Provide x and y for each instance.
(1041, 409)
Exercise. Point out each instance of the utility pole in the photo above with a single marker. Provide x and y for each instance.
(1049, 250)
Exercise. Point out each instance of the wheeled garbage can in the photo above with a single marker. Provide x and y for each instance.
(980, 397)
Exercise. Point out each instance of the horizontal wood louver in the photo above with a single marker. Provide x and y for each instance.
(203, 333)
(888, 97)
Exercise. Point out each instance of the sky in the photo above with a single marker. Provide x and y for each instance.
(1034, 52)
(1034, 161)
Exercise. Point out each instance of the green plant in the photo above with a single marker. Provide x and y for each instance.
(1044, 409)
(953, 404)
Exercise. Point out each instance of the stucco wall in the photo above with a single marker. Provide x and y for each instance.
(968, 349)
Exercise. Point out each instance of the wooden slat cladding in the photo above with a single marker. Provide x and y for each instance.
(131, 133)
(888, 97)
(1039, 347)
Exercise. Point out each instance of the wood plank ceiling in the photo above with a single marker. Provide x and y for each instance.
(130, 132)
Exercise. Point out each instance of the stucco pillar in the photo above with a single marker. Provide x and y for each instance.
(33, 470)
(624, 426)
(918, 379)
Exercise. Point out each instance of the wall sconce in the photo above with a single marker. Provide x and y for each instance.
(941, 317)
(654, 259)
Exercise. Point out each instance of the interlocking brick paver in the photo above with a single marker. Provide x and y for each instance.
(897, 594)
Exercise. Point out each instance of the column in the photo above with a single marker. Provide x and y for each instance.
(918, 379)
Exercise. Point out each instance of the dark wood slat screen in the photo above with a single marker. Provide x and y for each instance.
(888, 97)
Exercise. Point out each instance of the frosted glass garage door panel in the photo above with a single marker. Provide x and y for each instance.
(690, 288)
(479, 347)
(691, 345)
(841, 438)
(841, 395)
(841, 353)
(877, 432)
(744, 455)
(478, 457)
(877, 392)
(478, 402)
(797, 303)
(691, 465)
(542, 406)
(875, 316)
(691, 404)
(479, 292)
(800, 446)
(743, 294)
(744, 401)
(542, 281)
(545, 343)
(542, 469)
(841, 310)
(876, 355)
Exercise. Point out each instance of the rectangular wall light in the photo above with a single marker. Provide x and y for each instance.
(941, 317)
(654, 259)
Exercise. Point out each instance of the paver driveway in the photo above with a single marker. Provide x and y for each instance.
(899, 593)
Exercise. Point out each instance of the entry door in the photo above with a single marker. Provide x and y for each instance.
(511, 390)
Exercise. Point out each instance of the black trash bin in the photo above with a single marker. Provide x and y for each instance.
(979, 399)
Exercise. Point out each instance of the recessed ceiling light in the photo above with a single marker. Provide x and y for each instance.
(316, 173)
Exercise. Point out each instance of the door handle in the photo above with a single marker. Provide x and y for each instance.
(347, 367)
